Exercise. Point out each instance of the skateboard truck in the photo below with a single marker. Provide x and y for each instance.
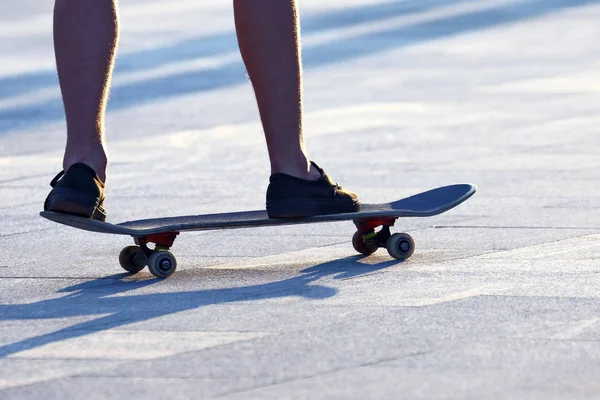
(163, 241)
(160, 261)
(366, 240)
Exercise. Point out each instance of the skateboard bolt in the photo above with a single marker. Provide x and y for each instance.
(404, 246)
(165, 264)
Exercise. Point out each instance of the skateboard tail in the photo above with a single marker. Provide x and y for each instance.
(82, 223)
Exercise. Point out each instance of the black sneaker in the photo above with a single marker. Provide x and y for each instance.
(291, 197)
(78, 191)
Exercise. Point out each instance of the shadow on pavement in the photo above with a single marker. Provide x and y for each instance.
(233, 73)
(221, 43)
(106, 296)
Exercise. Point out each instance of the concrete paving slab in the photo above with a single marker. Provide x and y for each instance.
(499, 301)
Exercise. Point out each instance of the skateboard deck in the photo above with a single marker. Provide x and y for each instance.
(163, 231)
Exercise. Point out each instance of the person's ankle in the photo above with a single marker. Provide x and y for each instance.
(299, 170)
(97, 162)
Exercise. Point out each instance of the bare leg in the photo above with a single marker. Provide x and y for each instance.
(85, 40)
(268, 34)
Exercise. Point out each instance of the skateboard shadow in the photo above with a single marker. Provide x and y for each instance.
(109, 297)
(349, 267)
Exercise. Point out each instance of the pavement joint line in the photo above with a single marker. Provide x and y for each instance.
(22, 178)
(94, 334)
(513, 227)
(139, 378)
(84, 374)
(213, 256)
(576, 329)
(19, 205)
(6, 235)
(541, 339)
(32, 187)
(593, 235)
(125, 362)
(63, 278)
(324, 373)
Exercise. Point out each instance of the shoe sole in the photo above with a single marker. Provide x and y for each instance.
(72, 202)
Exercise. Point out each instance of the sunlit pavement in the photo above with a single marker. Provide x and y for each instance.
(500, 299)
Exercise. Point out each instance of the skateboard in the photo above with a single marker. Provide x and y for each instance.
(161, 232)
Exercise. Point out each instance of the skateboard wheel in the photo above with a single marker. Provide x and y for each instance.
(363, 248)
(162, 264)
(128, 257)
(400, 246)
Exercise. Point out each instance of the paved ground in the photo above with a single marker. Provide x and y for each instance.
(499, 301)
